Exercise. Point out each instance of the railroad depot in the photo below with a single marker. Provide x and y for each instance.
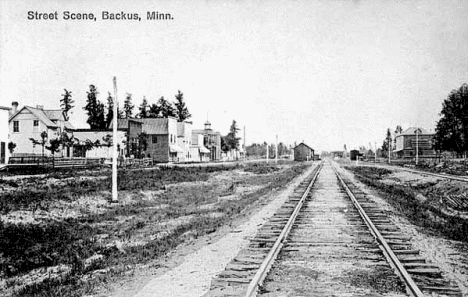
(303, 152)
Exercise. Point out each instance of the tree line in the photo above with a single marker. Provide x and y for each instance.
(100, 116)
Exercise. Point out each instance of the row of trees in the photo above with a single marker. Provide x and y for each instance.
(100, 116)
(66, 141)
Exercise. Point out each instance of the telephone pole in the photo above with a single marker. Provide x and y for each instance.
(276, 150)
(114, 145)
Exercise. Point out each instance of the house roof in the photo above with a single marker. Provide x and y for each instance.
(155, 125)
(5, 108)
(38, 113)
(303, 144)
(46, 116)
(149, 126)
(412, 131)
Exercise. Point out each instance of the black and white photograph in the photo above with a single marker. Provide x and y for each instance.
(230, 148)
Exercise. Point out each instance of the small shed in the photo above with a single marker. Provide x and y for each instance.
(303, 152)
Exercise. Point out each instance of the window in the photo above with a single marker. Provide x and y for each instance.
(15, 126)
(154, 139)
(36, 123)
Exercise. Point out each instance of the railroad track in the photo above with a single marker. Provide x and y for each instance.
(444, 175)
(329, 239)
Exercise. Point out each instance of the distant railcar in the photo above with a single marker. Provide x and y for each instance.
(353, 155)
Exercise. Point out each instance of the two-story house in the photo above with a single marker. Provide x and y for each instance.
(407, 141)
(30, 122)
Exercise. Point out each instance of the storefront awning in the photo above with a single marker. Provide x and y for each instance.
(204, 150)
(175, 149)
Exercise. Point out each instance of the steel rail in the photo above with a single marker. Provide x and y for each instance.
(444, 175)
(411, 285)
(270, 258)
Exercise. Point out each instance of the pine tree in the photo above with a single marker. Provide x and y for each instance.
(181, 109)
(166, 108)
(154, 111)
(144, 112)
(66, 103)
(128, 106)
(95, 110)
(231, 140)
(387, 143)
(110, 110)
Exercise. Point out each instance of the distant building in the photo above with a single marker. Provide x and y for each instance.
(184, 140)
(103, 140)
(4, 135)
(30, 122)
(303, 152)
(211, 140)
(405, 143)
(337, 154)
(199, 152)
(161, 136)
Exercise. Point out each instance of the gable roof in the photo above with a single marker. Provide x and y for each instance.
(155, 125)
(38, 113)
(45, 116)
(304, 145)
(149, 125)
(412, 131)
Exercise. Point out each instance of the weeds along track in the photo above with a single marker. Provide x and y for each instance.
(329, 239)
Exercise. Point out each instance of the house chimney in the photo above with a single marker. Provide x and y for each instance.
(14, 107)
(40, 106)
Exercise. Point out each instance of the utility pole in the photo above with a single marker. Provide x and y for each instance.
(417, 148)
(375, 151)
(389, 147)
(276, 150)
(245, 146)
(114, 148)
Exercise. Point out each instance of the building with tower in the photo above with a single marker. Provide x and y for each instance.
(211, 140)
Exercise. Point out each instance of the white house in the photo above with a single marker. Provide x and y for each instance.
(29, 122)
(4, 131)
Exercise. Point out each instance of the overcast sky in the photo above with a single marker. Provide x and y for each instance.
(327, 72)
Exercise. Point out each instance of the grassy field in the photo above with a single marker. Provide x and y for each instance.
(422, 202)
(60, 236)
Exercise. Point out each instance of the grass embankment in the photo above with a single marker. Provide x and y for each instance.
(159, 210)
(406, 199)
